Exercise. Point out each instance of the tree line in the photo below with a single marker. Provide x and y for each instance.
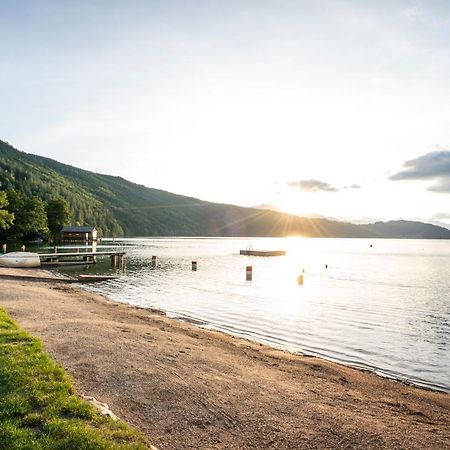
(27, 217)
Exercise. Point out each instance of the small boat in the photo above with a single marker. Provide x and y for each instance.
(96, 277)
(262, 252)
(20, 260)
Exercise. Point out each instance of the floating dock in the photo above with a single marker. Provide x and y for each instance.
(262, 252)
(73, 258)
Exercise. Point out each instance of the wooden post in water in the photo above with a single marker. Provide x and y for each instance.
(4, 248)
(23, 248)
(194, 265)
(249, 273)
(153, 261)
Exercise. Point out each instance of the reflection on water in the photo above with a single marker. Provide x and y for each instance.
(385, 307)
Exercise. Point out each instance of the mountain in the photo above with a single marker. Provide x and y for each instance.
(117, 206)
(404, 228)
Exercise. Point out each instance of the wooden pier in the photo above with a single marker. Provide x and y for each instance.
(73, 258)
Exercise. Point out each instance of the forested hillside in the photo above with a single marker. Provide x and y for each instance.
(117, 206)
(32, 176)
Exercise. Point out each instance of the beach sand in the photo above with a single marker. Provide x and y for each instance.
(186, 387)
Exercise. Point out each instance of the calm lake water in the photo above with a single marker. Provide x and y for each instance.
(385, 308)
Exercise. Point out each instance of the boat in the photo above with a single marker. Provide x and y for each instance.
(250, 252)
(85, 278)
(20, 260)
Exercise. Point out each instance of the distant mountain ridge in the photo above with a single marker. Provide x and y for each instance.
(117, 206)
(401, 228)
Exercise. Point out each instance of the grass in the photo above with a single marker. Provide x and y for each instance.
(38, 405)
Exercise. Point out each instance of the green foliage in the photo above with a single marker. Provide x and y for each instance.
(58, 215)
(30, 216)
(6, 218)
(38, 406)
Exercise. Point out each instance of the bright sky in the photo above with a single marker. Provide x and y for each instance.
(311, 106)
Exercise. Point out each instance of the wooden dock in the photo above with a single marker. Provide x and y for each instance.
(73, 258)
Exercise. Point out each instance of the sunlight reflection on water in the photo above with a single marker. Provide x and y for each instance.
(385, 307)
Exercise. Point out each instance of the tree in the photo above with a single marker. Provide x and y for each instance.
(58, 215)
(6, 218)
(30, 218)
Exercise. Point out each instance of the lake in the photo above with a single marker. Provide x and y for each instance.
(380, 304)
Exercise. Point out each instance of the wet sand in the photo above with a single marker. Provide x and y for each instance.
(186, 387)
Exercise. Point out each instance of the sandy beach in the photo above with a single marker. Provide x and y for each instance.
(186, 387)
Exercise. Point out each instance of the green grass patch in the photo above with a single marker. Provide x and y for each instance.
(38, 405)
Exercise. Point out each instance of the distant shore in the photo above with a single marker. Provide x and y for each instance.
(187, 387)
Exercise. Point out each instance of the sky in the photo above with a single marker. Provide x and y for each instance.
(331, 108)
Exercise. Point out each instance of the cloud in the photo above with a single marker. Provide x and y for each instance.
(353, 186)
(442, 186)
(311, 186)
(433, 166)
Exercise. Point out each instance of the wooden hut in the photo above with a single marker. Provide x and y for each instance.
(78, 234)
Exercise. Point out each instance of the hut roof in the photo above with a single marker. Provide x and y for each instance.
(71, 229)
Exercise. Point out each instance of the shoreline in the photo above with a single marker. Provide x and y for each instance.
(191, 387)
(208, 326)
(372, 370)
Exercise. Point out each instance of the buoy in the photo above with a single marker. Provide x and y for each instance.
(194, 265)
(300, 280)
(249, 273)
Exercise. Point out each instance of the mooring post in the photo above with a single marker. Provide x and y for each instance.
(249, 273)
(153, 261)
(194, 265)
